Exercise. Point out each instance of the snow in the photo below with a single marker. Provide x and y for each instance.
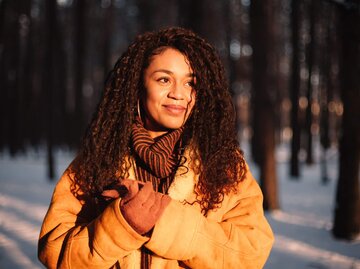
(302, 227)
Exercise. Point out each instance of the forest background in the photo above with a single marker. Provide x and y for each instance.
(293, 68)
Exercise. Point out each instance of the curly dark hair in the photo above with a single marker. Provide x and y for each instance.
(210, 132)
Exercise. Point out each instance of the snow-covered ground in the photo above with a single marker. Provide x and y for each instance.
(302, 226)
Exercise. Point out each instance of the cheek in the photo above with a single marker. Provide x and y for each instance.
(192, 99)
(151, 93)
(153, 98)
(191, 103)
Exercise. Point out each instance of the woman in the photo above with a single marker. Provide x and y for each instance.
(159, 181)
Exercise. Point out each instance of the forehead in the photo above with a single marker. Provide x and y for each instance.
(171, 59)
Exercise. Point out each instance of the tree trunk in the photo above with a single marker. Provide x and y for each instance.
(9, 74)
(152, 15)
(191, 14)
(79, 69)
(295, 89)
(49, 84)
(3, 120)
(231, 61)
(263, 101)
(313, 6)
(146, 11)
(347, 209)
(26, 119)
(107, 34)
(326, 86)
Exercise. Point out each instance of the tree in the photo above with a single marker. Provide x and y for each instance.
(77, 122)
(295, 88)
(347, 209)
(313, 6)
(14, 40)
(151, 17)
(191, 14)
(106, 40)
(49, 78)
(262, 37)
(327, 87)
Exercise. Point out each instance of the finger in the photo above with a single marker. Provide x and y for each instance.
(141, 184)
(128, 182)
(146, 194)
(154, 207)
(132, 189)
(149, 203)
(122, 190)
(110, 194)
(160, 203)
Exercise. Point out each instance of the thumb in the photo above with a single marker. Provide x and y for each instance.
(110, 194)
(131, 187)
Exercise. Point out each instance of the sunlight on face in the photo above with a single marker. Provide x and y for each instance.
(169, 95)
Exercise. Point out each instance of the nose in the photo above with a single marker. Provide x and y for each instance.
(177, 92)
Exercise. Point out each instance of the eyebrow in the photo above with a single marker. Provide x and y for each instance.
(170, 72)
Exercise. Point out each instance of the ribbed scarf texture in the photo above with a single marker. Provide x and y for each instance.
(156, 161)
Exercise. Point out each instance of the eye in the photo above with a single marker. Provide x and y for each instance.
(163, 80)
(190, 83)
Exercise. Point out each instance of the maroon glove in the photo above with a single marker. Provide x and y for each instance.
(141, 206)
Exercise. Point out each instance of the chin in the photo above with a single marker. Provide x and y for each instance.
(173, 125)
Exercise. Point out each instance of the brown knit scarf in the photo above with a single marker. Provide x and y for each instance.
(156, 161)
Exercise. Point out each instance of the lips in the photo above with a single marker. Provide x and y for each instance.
(175, 109)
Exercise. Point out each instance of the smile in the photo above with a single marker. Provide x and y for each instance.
(175, 109)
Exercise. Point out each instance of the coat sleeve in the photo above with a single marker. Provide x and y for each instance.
(242, 239)
(68, 239)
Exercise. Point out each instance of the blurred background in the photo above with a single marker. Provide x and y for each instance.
(294, 73)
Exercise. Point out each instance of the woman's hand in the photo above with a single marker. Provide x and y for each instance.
(140, 205)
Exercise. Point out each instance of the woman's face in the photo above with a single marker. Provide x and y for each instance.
(169, 95)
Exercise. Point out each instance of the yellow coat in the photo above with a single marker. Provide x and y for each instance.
(236, 235)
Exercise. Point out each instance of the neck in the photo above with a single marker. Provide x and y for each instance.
(153, 130)
(155, 134)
